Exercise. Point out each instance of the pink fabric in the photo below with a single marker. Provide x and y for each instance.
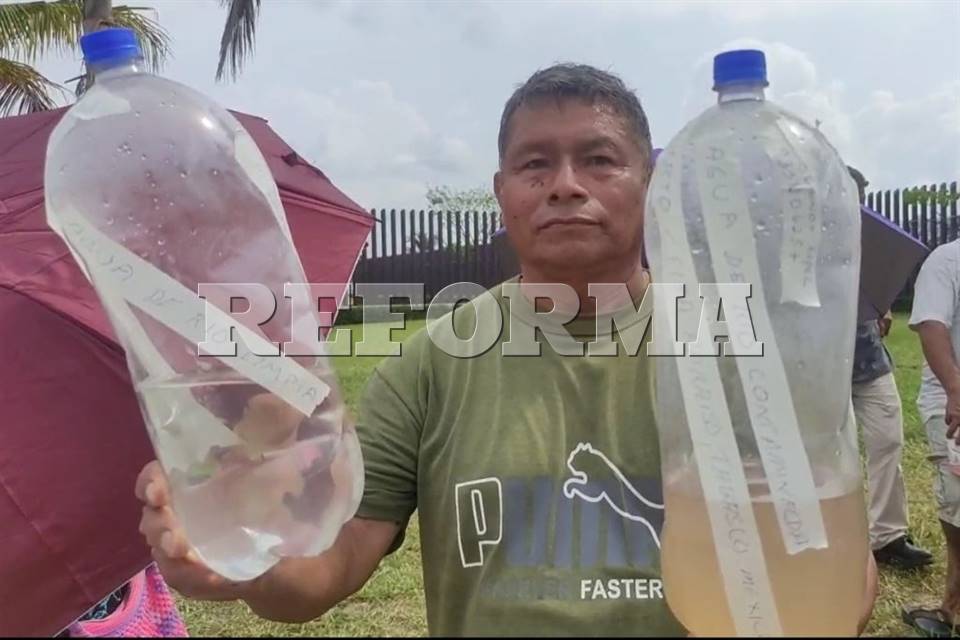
(148, 611)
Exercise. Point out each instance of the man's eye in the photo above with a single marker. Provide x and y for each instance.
(601, 161)
(535, 163)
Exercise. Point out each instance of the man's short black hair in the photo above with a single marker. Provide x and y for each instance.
(579, 81)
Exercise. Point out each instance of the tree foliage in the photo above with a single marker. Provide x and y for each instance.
(446, 198)
(30, 30)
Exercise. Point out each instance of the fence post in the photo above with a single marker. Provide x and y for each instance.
(404, 266)
(915, 215)
(379, 229)
(940, 221)
(373, 234)
(488, 248)
(422, 235)
(894, 216)
(440, 255)
(954, 222)
(477, 248)
(394, 268)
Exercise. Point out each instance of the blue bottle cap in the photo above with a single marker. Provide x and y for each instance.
(115, 43)
(741, 66)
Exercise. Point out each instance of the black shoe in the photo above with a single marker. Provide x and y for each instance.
(902, 554)
(929, 623)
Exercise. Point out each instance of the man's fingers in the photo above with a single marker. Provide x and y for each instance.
(953, 427)
(156, 494)
(156, 522)
(151, 485)
(144, 478)
(175, 545)
(192, 580)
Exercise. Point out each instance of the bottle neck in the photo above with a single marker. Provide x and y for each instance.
(106, 69)
(745, 91)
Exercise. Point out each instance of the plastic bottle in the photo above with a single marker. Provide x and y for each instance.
(156, 189)
(765, 524)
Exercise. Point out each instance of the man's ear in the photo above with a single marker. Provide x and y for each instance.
(497, 185)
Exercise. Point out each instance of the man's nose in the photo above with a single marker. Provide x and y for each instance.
(566, 185)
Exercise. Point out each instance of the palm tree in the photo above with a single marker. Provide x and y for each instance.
(30, 30)
(239, 35)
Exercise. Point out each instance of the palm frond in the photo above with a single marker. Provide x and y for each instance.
(239, 35)
(23, 89)
(29, 30)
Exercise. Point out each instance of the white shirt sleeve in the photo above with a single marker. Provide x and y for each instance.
(935, 291)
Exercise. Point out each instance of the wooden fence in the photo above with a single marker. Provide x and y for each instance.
(431, 247)
(928, 212)
(441, 248)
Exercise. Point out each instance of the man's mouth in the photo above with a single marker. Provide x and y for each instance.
(573, 221)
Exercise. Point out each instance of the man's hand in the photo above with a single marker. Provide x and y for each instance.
(295, 590)
(952, 416)
(177, 562)
(884, 324)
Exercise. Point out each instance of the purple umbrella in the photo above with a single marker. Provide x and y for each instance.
(888, 257)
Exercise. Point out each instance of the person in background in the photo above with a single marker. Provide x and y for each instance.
(141, 608)
(876, 403)
(936, 318)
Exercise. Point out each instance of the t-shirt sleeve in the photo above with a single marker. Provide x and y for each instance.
(935, 291)
(389, 427)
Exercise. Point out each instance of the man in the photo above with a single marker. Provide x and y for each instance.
(876, 402)
(936, 318)
(536, 479)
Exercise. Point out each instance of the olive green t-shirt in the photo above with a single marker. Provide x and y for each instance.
(536, 479)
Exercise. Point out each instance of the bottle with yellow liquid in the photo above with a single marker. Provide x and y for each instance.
(753, 212)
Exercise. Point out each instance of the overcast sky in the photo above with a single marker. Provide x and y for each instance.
(391, 97)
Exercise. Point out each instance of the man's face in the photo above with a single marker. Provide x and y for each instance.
(571, 187)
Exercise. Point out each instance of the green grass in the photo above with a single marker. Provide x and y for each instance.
(391, 604)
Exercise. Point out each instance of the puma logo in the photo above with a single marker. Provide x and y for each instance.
(589, 468)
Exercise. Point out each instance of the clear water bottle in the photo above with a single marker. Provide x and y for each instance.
(157, 190)
(765, 530)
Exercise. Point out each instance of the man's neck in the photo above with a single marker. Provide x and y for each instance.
(635, 277)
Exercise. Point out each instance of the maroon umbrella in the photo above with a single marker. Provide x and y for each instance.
(72, 437)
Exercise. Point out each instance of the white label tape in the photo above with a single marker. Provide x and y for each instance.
(735, 535)
(131, 278)
(176, 450)
(729, 231)
(801, 215)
